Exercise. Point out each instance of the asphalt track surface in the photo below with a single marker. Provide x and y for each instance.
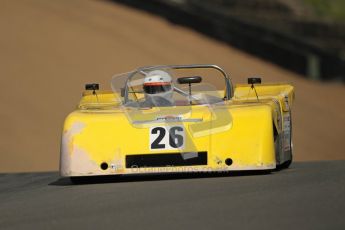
(306, 196)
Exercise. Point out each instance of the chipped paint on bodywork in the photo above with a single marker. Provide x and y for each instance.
(69, 153)
(79, 156)
(67, 137)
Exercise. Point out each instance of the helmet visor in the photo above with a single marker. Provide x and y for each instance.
(156, 88)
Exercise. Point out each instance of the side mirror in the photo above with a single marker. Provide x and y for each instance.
(92, 86)
(189, 80)
(254, 80)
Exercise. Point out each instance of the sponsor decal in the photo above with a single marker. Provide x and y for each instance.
(170, 118)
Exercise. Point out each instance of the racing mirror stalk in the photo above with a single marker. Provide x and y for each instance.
(93, 87)
(253, 81)
(189, 81)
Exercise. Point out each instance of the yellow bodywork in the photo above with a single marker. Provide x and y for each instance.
(242, 129)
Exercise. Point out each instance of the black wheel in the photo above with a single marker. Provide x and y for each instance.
(76, 180)
(285, 165)
(279, 146)
(94, 179)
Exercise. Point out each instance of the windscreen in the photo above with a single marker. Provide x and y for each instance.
(166, 86)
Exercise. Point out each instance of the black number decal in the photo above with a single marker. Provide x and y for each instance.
(156, 143)
(175, 140)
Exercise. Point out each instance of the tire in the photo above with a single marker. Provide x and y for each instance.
(284, 165)
(94, 179)
(279, 145)
(77, 180)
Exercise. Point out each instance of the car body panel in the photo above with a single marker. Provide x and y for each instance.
(252, 132)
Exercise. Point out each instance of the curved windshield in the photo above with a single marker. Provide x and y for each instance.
(163, 86)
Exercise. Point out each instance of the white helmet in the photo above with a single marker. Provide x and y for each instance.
(157, 82)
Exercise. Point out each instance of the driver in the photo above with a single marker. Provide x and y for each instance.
(158, 89)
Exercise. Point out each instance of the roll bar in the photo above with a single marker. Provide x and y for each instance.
(228, 84)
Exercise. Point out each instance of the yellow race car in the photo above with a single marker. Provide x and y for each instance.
(178, 118)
